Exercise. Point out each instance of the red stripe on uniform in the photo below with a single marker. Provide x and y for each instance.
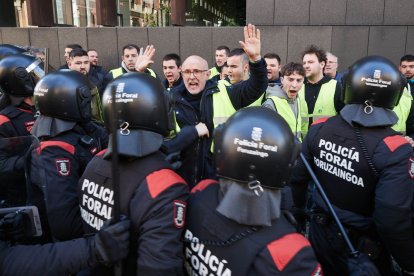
(285, 249)
(63, 145)
(102, 152)
(3, 119)
(320, 120)
(202, 185)
(161, 180)
(394, 142)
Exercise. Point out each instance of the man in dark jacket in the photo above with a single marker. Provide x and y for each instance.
(68, 141)
(204, 104)
(235, 225)
(151, 194)
(62, 258)
(18, 77)
(171, 66)
(96, 72)
(366, 170)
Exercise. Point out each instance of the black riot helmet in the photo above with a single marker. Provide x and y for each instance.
(8, 49)
(19, 74)
(255, 145)
(142, 112)
(373, 80)
(66, 95)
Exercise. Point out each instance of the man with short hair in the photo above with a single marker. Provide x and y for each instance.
(320, 96)
(203, 104)
(238, 63)
(285, 100)
(222, 52)
(132, 61)
(407, 69)
(273, 68)
(96, 73)
(171, 66)
(79, 61)
(69, 49)
(331, 68)
(93, 57)
(405, 107)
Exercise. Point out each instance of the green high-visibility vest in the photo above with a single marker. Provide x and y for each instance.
(284, 110)
(214, 72)
(324, 105)
(402, 110)
(118, 72)
(222, 106)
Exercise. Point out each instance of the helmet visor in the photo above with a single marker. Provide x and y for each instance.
(96, 106)
(36, 69)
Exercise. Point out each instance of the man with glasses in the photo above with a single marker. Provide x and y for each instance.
(203, 104)
(331, 67)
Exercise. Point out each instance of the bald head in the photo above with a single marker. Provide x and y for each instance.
(195, 74)
(196, 59)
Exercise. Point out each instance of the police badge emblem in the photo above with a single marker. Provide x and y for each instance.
(257, 134)
(179, 213)
(411, 167)
(63, 166)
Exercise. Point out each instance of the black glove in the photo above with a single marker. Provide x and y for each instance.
(111, 243)
(16, 227)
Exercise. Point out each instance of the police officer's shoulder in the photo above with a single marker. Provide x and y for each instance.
(320, 121)
(3, 119)
(394, 142)
(202, 185)
(60, 144)
(284, 250)
(161, 180)
(101, 153)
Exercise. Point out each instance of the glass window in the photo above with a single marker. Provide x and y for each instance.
(80, 13)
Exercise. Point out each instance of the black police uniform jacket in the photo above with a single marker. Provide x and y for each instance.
(54, 169)
(14, 122)
(61, 258)
(380, 205)
(153, 197)
(196, 155)
(216, 245)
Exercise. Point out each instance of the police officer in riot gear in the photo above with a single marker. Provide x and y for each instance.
(68, 141)
(8, 49)
(18, 76)
(152, 195)
(236, 226)
(63, 258)
(366, 170)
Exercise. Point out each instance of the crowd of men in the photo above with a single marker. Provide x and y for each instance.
(200, 174)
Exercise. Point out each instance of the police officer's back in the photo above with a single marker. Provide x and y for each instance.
(366, 170)
(68, 140)
(151, 194)
(236, 226)
(19, 74)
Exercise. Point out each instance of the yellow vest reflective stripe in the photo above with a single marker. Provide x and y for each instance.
(402, 110)
(118, 72)
(284, 110)
(152, 73)
(324, 105)
(222, 106)
(213, 72)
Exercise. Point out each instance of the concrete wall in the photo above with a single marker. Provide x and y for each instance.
(346, 41)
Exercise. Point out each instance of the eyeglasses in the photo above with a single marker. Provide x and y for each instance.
(195, 72)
